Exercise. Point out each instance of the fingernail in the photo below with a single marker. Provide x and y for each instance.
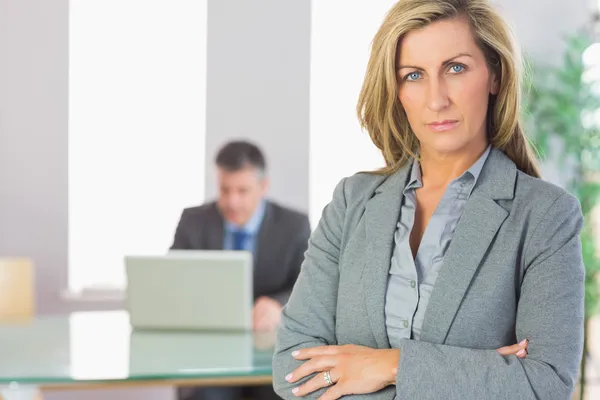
(288, 377)
(521, 352)
(295, 390)
(295, 353)
(523, 342)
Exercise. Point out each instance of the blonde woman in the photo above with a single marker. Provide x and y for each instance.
(420, 274)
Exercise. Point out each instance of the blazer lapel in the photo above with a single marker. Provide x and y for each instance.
(381, 217)
(481, 219)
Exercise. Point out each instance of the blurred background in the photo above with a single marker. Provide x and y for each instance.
(111, 113)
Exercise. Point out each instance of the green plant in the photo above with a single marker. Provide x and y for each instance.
(560, 104)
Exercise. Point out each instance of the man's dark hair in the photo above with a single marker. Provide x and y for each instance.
(238, 155)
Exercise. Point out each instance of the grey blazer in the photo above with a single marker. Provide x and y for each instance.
(281, 243)
(513, 270)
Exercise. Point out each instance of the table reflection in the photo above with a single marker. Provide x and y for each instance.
(101, 346)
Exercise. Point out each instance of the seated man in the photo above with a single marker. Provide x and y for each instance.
(243, 219)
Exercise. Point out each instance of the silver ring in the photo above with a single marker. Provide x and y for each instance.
(327, 377)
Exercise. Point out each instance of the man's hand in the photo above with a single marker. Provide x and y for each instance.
(267, 314)
(264, 340)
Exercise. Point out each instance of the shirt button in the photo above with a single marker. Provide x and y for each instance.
(413, 284)
(406, 324)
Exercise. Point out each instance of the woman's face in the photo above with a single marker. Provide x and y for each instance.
(444, 85)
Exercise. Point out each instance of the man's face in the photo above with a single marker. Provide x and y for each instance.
(240, 193)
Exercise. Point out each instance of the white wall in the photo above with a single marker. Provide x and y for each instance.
(541, 25)
(33, 140)
(258, 88)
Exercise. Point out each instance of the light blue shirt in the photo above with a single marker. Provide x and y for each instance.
(411, 281)
(251, 228)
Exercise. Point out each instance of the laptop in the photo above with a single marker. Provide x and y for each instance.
(208, 290)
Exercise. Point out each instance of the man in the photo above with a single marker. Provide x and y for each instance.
(243, 219)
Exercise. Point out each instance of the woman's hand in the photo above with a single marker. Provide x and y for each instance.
(352, 370)
(519, 349)
(357, 369)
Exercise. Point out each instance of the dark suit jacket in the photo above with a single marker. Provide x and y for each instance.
(281, 243)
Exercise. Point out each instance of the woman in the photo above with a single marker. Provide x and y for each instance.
(416, 274)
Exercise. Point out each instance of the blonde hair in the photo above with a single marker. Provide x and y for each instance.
(380, 112)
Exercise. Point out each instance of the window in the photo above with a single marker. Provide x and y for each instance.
(137, 87)
(339, 57)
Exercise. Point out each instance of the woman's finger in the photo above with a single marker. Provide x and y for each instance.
(522, 353)
(510, 350)
(317, 364)
(311, 352)
(514, 349)
(315, 383)
(335, 392)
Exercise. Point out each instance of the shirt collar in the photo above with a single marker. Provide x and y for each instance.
(416, 179)
(253, 224)
(477, 167)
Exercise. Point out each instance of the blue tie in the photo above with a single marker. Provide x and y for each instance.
(239, 240)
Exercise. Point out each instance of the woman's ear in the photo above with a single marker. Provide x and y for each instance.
(494, 84)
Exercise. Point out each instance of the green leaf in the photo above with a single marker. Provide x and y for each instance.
(556, 99)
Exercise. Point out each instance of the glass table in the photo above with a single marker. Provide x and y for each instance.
(99, 349)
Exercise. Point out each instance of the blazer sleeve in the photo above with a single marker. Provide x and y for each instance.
(181, 240)
(308, 318)
(550, 314)
(295, 260)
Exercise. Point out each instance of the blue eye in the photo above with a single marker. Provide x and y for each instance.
(456, 68)
(413, 76)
